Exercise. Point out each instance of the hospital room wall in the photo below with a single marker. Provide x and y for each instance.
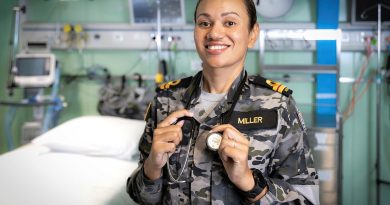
(82, 95)
(6, 24)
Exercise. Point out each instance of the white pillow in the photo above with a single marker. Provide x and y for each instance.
(104, 136)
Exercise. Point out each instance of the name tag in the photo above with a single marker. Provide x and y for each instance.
(257, 119)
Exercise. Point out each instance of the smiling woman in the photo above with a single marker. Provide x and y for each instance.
(221, 136)
(222, 39)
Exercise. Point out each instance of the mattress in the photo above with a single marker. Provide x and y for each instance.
(33, 174)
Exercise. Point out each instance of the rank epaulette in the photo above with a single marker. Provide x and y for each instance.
(275, 86)
(181, 83)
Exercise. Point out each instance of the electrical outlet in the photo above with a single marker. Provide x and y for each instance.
(118, 37)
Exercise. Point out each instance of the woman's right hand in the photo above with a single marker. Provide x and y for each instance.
(166, 137)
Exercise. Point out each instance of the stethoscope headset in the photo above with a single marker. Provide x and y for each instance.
(213, 139)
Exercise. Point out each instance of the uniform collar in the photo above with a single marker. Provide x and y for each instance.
(225, 105)
(192, 94)
(235, 85)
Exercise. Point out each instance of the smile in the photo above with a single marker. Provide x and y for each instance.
(216, 47)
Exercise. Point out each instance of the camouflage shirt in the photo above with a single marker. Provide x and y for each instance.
(278, 147)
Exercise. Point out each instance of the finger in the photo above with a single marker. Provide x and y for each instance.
(220, 128)
(228, 152)
(180, 123)
(164, 147)
(231, 149)
(173, 117)
(231, 132)
(172, 128)
(233, 144)
(167, 137)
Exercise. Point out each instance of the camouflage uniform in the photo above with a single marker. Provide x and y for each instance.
(278, 148)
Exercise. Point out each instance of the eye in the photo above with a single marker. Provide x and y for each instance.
(204, 24)
(230, 23)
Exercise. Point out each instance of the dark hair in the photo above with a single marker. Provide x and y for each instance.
(250, 8)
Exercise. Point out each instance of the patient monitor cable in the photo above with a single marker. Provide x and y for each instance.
(52, 112)
(357, 84)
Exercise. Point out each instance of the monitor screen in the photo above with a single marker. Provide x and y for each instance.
(33, 66)
(34, 70)
(366, 11)
(145, 12)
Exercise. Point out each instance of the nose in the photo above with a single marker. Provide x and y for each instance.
(216, 32)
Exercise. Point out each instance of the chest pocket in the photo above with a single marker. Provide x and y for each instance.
(260, 127)
(260, 149)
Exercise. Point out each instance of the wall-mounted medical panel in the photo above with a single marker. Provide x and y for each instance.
(125, 36)
(108, 36)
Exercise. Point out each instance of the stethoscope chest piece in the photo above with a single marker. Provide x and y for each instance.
(213, 141)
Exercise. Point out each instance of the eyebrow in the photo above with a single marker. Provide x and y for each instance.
(223, 14)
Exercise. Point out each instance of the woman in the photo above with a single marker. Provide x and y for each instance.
(221, 137)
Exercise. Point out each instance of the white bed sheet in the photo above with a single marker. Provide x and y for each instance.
(33, 175)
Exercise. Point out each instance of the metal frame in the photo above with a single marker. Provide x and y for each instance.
(379, 181)
(306, 35)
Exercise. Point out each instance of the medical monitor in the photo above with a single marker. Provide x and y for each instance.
(144, 12)
(365, 12)
(34, 70)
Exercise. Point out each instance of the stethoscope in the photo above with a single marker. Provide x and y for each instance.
(213, 140)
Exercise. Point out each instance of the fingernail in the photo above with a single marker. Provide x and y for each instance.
(174, 122)
(191, 114)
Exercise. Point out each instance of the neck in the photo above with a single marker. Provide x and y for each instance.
(219, 80)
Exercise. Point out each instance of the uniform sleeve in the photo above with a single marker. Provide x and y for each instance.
(139, 187)
(291, 176)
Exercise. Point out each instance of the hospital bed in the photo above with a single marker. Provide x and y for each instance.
(84, 161)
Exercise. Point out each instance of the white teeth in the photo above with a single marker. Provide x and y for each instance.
(216, 47)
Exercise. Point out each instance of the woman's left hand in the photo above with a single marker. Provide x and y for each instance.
(233, 152)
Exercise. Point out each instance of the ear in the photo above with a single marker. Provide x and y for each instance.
(253, 35)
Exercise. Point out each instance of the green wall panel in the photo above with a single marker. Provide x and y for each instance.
(6, 24)
(81, 11)
(82, 102)
(190, 9)
(359, 148)
(385, 142)
(88, 11)
(119, 62)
